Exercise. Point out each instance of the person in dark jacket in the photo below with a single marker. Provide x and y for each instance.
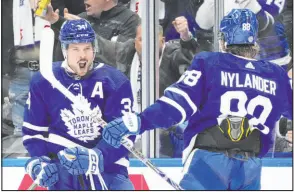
(74, 6)
(174, 56)
(109, 19)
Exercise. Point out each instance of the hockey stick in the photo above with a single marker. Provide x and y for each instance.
(46, 53)
(47, 73)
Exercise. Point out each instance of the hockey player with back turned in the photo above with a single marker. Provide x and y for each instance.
(53, 124)
(232, 103)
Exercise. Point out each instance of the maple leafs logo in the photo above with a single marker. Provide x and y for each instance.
(82, 124)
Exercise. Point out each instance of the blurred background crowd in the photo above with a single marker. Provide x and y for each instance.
(185, 27)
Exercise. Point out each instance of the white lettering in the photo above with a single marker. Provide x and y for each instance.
(247, 81)
(251, 81)
(237, 81)
(273, 87)
(255, 82)
(231, 78)
(98, 90)
(266, 86)
(224, 78)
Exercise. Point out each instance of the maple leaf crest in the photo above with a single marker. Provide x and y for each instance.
(81, 123)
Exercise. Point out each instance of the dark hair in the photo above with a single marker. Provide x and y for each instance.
(245, 50)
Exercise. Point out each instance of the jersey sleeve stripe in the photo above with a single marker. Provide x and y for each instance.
(176, 105)
(27, 137)
(34, 127)
(185, 95)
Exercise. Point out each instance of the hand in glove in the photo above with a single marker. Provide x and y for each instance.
(43, 170)
(114, 131)
(80, 160)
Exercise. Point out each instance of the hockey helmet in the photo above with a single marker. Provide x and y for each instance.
(240, 26)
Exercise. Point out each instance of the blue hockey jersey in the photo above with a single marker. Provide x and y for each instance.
(52, 122)
(218, 85)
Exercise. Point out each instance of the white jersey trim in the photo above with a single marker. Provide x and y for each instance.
(185, 95)
(27, 137)
(283, 60)
(99, 65)
(188, 162)
(35, 127)
(176, 105)
(188, 149)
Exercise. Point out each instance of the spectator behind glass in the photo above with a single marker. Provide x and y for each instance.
(174, 56)
(6, 66)
(109, 19)
(21, 35)
(24, 56)
(176, 8)
(287, 15)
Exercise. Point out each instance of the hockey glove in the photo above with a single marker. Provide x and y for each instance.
(42, 169)
(114, 131)
(80, 160)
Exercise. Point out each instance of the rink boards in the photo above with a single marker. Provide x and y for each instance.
(276, 174)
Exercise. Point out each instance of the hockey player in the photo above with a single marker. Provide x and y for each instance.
(232, 102)
(53, 124)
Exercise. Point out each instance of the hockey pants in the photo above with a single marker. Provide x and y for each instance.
(205, 170)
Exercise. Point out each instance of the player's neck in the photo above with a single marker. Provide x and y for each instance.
(244, 57)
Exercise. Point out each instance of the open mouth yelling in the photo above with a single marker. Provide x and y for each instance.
(82, 64)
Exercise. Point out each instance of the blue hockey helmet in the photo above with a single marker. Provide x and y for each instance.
(76, 31)
(240, 26)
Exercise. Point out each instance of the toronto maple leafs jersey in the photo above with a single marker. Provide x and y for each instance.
(52, 122)
(218, 85)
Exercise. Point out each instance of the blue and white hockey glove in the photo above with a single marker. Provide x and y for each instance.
(43, 170)
(80, 160)
(115, 130)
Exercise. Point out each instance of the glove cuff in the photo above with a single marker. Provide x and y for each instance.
(32, 162)
(95, 162)
(29, 166)
(132, 123)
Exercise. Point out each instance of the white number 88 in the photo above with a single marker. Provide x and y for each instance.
(246, 26)
(190, 77)
(225, 107)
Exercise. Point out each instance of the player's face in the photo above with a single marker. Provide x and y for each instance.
(94, 7)
(138, 41)
(80, 57)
